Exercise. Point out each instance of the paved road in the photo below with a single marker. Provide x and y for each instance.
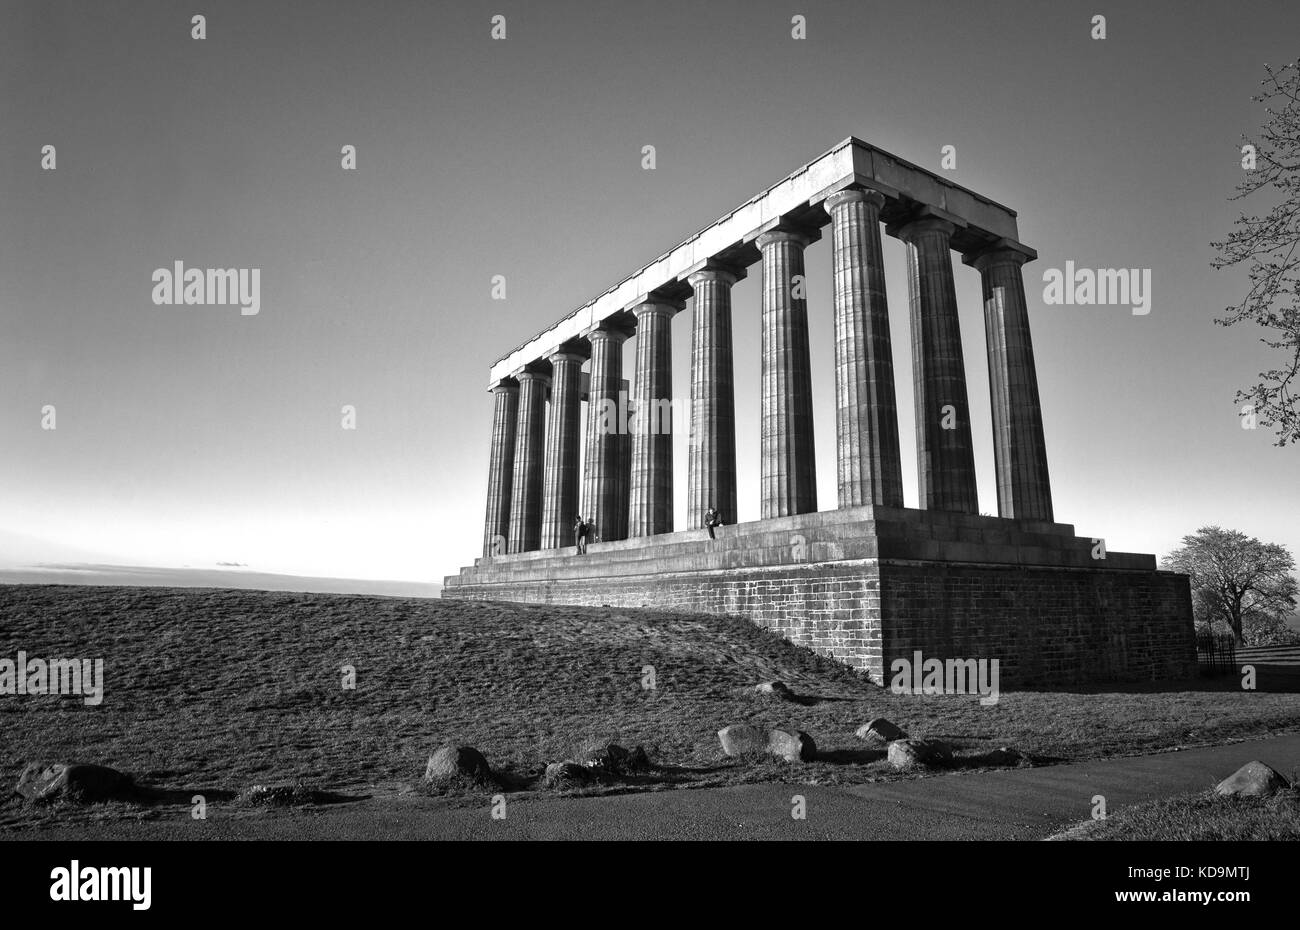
(1000, 805)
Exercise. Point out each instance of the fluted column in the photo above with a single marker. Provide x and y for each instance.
(526, 489)
(945, 457)
(866, 412)
(711, 463)
(501, 463)
(788, 468)
(1019, 450)
(560, 480)
(650, 508)
(605, 506)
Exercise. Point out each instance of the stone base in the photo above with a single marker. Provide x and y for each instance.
(869, 585)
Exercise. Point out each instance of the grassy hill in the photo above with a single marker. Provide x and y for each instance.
(226, 689)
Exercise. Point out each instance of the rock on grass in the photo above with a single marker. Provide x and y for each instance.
(791, 745)
(455, 763)
(776, 689)
(910, 753)
(881, 731)
(1252, 780)
(743, 739)
(52, 781)
(568, 774)
(279, 796)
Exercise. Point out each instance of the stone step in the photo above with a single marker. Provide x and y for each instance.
(564, 564)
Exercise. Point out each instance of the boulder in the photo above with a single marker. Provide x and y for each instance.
(1252, 780)
(610, 757)
(908, 753)
(453, 762)
(742, 739)
(778, 689)
(41, 781)
(880, 730)
(791, 745)
(567, 773)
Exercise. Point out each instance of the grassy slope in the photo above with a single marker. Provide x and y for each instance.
(1204, 816)
(224, 689)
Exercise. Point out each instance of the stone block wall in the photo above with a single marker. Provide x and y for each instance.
(1045, 625)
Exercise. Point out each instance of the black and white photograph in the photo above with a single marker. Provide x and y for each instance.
(685, 426)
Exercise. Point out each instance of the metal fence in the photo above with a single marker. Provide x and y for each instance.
(1216, 654)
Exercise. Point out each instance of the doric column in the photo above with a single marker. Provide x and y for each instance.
(866, 412)
(604, 505)
(945, 458)
(650, 508)
(623, 483)
(789, 469)
(1019, 451)
(711, 464)
(501, 464)
(560, 481)
(526, 490)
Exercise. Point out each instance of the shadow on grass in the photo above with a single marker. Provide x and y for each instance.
(851, 756)
(146, 794)
(812, 700)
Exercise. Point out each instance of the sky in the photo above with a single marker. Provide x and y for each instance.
(201, 438)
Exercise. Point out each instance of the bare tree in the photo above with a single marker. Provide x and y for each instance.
(1268, 246)
(1239, 580)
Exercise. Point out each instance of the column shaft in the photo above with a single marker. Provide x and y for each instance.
(605, 504)
(945, 457)
(501, 464)
(650, 508)
(866, 411)
(711, 463)
(1019, 450)
(788, 469)
(560, 481)
(526, 490)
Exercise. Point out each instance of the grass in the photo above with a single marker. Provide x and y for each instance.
(1204, 816)
(222, 690)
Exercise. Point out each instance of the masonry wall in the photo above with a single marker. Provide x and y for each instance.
(832, 608)
(1045, 625)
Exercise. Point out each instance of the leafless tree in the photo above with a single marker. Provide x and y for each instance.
(1267, 246)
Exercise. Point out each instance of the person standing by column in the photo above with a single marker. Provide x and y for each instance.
(580, 529)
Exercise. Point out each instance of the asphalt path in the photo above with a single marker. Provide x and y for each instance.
(1008, 804)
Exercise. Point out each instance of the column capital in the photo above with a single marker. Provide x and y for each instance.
(504, 386)
(607, 335)
(773, 236)
(720, 268)
(788, 228)
(527, 375)
(927, 219)
(1003, 250)
(853, 195)
(712, 273)
(917, 227)
(656, 307)
(565, 355)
